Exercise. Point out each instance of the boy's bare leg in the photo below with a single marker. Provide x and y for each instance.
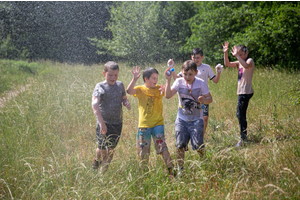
(180, 157)
(104, 157)
(99, 154)
(205, 121)
(145, 159)
(109, 154)
(143, 152)
(166, 156)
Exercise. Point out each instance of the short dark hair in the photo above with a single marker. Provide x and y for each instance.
(189, 65)
(148, 72)
(111, 65)
(197, 51)
(242, 47)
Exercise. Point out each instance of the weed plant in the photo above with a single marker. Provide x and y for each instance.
(48, 142)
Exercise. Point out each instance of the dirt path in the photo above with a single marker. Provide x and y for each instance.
(8, 95)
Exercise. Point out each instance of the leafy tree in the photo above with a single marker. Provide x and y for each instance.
(9, 51)
(145, 32)
(270, 30)
(214, 23)
(274, 34)
(54, 30)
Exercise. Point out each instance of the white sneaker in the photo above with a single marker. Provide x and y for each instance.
(239, 144)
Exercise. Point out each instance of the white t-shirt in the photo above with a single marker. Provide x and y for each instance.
(189, 108)
(204, 72)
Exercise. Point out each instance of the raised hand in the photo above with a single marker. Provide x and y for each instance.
(234, 51)
(225, 46)
(162, 89)
(136, 72)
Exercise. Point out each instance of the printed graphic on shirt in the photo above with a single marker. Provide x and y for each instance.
(150, 105)
(188, 104)
(240, 75)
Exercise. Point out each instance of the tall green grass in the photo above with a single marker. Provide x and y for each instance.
(47, 142)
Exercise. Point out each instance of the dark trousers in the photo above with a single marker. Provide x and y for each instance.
(242, 105)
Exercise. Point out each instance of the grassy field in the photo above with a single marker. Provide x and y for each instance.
(47, 140)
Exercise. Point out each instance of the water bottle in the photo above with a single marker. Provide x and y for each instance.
(170, 63)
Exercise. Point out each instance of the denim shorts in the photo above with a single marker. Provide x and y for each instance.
(144, 140)
(186, 131)
(111, 138)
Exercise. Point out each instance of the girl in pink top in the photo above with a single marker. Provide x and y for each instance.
(245, 91)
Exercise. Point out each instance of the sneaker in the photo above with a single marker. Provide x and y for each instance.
(239, 144)
(95, 164)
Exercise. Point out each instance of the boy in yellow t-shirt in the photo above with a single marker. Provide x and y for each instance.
(151, 121)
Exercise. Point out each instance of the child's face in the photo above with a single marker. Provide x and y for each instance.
(197, 59)
(189, 76)
(111, 76)
(242, 54)
(152, 81)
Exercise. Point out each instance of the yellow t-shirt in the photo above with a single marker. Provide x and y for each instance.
(150, 106)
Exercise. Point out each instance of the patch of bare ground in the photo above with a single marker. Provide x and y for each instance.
(8, 95)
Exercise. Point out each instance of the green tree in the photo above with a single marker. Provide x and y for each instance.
(214, 23)
(270, 30)
(273, 36)
(146, 32)
(53, 30)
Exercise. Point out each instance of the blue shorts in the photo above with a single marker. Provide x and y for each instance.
(111, 138)
(186, 131)
(205, 108)
(144, 140)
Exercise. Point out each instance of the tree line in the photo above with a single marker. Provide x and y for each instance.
(56, 31)
(142, 33)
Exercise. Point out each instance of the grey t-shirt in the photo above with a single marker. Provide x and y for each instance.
(110, 101)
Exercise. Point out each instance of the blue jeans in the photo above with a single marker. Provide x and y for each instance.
(186, 131)
(242, 105)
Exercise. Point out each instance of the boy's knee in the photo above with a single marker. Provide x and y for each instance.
(181, 145)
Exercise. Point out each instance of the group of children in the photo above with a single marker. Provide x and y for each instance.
(193, 108)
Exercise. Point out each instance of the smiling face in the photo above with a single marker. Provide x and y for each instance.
(152, 81)
(111, 76)
(189, 76)
(197, 58)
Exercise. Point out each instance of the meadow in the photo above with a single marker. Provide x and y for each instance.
(47, 140)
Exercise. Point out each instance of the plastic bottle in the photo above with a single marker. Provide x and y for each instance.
(170, 63)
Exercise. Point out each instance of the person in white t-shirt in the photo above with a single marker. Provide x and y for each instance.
(204, 72)
(192, 93)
